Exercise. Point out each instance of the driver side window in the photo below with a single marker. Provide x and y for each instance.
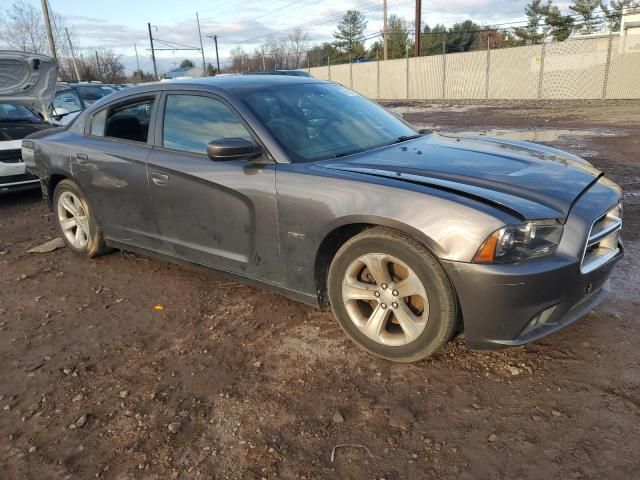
(192, 121)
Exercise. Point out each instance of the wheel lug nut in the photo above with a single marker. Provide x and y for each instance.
(383, 306)
(384, 286)
(395, 293)
(376, 294)
(394, 305)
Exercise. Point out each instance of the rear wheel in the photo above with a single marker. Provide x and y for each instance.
(391, 296)
(75, 220)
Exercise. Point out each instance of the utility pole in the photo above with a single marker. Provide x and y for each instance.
(384, 30)
(204, 65)
(97, 64)
(215, 40)
(418, 27)
(135, 47)
(73, 55)
(47, 24)
(153, 55)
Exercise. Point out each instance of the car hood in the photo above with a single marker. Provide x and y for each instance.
(533, 181)
(28, 79)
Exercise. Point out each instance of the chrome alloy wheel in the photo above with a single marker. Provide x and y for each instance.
(385, 299)
(73, 219)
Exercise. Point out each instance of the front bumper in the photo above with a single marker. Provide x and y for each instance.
(501, 303)
(14, 177)
(505, 305)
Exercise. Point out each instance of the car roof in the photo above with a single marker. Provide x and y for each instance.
(232, 84)
(253, 81)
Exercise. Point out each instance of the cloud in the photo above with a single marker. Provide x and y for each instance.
(250, 28)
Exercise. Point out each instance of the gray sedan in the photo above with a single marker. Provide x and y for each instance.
(304, 187)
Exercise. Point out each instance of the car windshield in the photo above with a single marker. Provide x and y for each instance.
(91, 93)
(315, 121)
(11, 112)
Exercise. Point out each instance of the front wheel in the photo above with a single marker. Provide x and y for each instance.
(75, 220)
(391, 296)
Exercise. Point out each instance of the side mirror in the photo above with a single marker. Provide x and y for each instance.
(232, 149)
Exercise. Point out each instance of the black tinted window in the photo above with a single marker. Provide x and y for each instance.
(92, 93)
(130, 121)
(312, 121)
(191, 122)
(13, 112)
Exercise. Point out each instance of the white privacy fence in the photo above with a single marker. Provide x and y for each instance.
(605, 67)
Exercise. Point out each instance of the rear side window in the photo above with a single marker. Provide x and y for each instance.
(128, 121)
(192, 121)
(98, 122)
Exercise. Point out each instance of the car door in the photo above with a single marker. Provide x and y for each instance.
(216, 213)
(109, 163)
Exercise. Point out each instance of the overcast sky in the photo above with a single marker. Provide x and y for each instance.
(119, 24)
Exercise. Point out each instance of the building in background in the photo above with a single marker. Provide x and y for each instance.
(630, 30)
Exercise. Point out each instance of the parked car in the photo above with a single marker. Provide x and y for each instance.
(27, 82)
(73, 98)
(293, 73)
(309, 189)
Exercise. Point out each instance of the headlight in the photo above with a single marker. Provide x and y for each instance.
(520, 242)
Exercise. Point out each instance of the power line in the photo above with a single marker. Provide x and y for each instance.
(327, 19)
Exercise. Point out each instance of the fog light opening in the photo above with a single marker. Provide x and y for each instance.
(539, 320)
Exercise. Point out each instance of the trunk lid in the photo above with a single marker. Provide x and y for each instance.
(27, 79)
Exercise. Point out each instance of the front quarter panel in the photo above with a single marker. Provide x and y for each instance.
(313, 202)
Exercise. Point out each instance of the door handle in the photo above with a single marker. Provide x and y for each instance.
(82, 158)
(160, 179)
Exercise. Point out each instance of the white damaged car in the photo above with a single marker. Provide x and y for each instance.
(27, 86)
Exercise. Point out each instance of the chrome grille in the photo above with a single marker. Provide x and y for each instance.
(604, 240)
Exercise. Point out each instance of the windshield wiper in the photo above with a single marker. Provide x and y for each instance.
(404, 138)
(401, 139)
(345, 154)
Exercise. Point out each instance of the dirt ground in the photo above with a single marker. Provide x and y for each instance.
(232, 382)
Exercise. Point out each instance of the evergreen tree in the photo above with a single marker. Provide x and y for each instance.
(532, 33)
(586, 9)
(432, 39)
(399, 42)
(349, 34)
(461, 36)
(559, 26)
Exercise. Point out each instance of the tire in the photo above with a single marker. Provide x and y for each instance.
(420, 319)
(89, 241)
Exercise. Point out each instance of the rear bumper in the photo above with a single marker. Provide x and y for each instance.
(508, 305)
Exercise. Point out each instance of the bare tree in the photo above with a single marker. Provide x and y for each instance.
(297, 43)
(106, 68)
(111, 67)
(277, 46)
(22, 28)
(239, 60)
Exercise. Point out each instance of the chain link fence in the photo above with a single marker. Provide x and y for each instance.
(583, 68)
